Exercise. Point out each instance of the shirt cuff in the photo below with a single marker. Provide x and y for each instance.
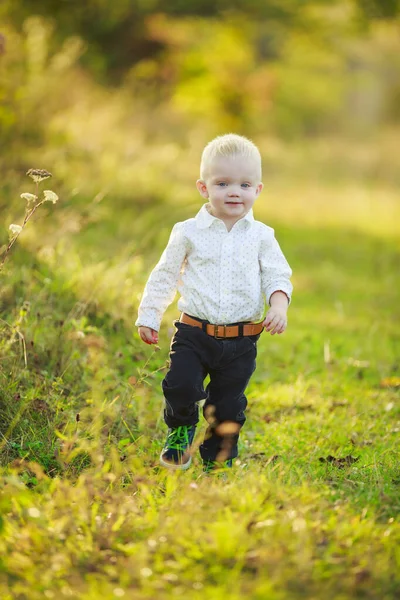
(284, 287)
(143, 322)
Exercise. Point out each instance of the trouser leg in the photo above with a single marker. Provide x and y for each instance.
(226, 402)
(183, 384)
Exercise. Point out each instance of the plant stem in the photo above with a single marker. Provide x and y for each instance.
(14, 239)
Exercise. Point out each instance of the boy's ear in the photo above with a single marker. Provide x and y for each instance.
(201, 186)
(259, 188)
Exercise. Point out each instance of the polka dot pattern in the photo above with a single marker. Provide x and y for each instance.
(221, 276)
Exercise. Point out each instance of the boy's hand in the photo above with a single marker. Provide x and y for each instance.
(148, 335)
(276, 320)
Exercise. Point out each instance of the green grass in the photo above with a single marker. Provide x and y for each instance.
(86, 510)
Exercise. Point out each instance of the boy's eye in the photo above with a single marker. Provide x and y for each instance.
(221, 183)
(245, 185)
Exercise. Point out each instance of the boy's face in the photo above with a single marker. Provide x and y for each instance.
(232, 184)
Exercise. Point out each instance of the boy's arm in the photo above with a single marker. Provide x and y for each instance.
(161, 286)
(276, 284)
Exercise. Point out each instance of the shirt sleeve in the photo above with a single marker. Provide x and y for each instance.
(275, 270)
(162, 284)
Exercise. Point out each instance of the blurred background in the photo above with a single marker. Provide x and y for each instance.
(118, 99)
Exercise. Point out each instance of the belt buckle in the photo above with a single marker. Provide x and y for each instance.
(219, 337)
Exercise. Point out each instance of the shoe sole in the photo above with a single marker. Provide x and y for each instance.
(176, 467)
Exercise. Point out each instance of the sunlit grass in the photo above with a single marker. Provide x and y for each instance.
(101, 517)
(86, 509)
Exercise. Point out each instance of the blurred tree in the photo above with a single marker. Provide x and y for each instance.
(379, 9)
(320, 76)
(117, 34)
(280, 66)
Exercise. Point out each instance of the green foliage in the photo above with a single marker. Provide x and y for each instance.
(382, 9)
(316, 73)
(117, 33)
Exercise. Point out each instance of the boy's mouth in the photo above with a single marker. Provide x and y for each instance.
(233, 202)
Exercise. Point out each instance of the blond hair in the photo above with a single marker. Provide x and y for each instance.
(230, 144)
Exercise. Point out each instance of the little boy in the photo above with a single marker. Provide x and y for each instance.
(223, 263)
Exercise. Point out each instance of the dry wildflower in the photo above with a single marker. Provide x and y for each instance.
(227, 428)
(15, 229)
(50, 196)
(30, 198)
(38, 175)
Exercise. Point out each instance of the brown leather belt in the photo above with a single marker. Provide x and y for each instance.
(224, 331)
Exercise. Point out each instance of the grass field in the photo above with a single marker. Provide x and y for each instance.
(310, 509)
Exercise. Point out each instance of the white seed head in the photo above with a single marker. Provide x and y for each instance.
(30, 198)
(15, 228)
(50, 196)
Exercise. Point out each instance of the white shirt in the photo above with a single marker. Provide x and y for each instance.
(221, 276)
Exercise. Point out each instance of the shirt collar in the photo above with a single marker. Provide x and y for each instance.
(204, 219)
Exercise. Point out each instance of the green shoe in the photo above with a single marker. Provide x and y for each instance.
(176, 452)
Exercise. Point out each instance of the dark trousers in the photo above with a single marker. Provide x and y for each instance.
(230, 364)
